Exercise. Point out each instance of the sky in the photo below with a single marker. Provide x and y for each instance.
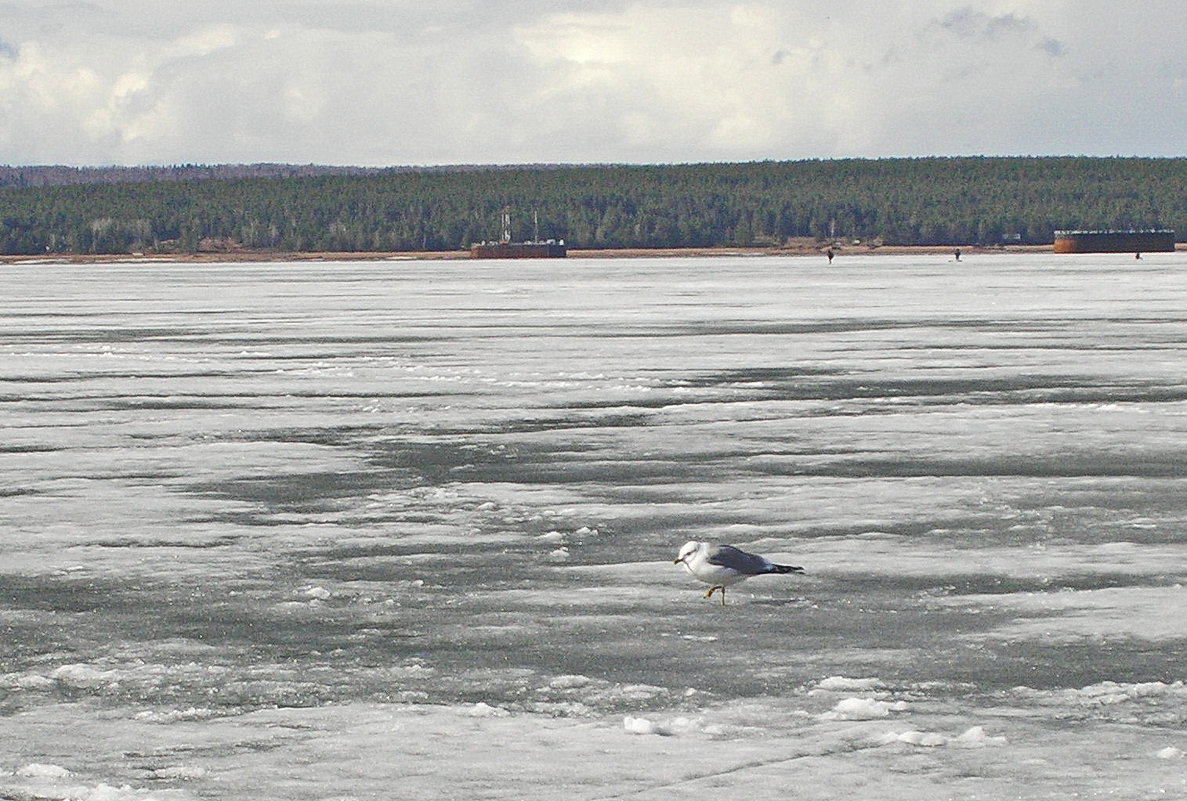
(432, 82)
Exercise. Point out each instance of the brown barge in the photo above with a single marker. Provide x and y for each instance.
(518, 250)
(1151, 241)
(506, 249)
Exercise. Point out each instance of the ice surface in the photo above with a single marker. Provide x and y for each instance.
(312, 531)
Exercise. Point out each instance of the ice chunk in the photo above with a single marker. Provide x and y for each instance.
(863, 709)
(37, 770)
(559, 555)
(106, 792)
(560, 709)
(975, 737)
(1170, 752)
(179, 715)
(923, 738)
(1111, 692)
(633, 725)
(913, 737)
(84, 677)
(484, 710)
(843, 684)
(33, 682)
(179, 773)
(571, 682)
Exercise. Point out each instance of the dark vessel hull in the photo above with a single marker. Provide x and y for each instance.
(1114, 241)
(518, 250)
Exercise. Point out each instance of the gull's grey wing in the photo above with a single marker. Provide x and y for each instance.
(736, 559)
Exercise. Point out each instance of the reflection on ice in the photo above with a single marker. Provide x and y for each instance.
(310, 531)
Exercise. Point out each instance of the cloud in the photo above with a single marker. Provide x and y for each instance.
(968, 23)
(459, 81)
(755, 80)
(973, 24)
(712, 76)
(1053, 47)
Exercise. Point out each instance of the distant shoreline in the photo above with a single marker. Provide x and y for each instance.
(242, 256)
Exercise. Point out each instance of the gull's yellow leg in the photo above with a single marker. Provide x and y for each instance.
(714, 589)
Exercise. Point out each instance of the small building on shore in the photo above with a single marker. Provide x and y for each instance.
(1148, 241)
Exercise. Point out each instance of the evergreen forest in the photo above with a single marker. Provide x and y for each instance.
(923, 201)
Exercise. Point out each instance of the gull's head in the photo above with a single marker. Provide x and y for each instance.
(687, 551)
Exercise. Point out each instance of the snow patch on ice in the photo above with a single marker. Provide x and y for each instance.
(1170, 752)
(1069, 615)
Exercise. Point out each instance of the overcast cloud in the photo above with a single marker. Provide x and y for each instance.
(394, 82)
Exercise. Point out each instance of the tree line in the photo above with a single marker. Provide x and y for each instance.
(924, 201)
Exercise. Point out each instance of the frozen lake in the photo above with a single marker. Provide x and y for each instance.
(406, 529)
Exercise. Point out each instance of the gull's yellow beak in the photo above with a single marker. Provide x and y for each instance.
(678, 561)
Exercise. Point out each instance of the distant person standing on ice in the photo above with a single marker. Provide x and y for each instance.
(958, 254)
(830, 255)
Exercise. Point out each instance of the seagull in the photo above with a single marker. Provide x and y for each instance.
(723, 565)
